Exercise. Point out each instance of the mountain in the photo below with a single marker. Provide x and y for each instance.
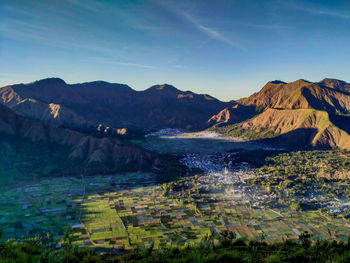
(297, 127)
(28, 146)
(298, 114)
(330, 95)
(50, 112)
(336, 84)
(111, 105)
(233, 115)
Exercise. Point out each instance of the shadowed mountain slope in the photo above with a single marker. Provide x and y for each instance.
(115, 105)
(27, 145)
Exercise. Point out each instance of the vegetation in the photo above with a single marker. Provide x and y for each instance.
(316, 171)
(24, 157)
(307, 179)
(329, 164)
(224, 247)
(170, 169)
(236, 130)
(126, 210)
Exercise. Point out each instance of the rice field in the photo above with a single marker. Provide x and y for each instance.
(126, 211)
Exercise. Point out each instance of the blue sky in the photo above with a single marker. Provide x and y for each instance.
(226, 48)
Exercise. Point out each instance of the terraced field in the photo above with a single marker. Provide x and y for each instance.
(120, 212)
(146, 216)
(35, 207)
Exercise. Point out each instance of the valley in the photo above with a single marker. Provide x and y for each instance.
(223, 192)
(175, 131)
(262, 170)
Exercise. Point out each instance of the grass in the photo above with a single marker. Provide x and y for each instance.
(236, 130)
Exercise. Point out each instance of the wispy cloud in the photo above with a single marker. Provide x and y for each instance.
(129, 13)
(209, 31)
(264, 26)
(179, 66)
(130, 64)
(12, 31)
(123, 63)
(89, 5)
(39, 37)
(316, 11)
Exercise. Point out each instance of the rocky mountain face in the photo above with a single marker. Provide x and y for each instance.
(110, 105)
(330, 95)
(300, 113)
(233, 115)
(299, 127)
(37, 147)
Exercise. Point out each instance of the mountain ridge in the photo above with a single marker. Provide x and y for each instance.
(114, 105)
(303, 113)
(279, 108)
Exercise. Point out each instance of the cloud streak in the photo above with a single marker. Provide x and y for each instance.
(264, 26)
(16, 29)
(129, 64)
(321, 12)
(123, 63)
(210, 32)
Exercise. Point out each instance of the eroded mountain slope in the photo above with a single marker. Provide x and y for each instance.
(300, 114)
(23, 141)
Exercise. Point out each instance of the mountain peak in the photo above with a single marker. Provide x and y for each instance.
(164, 88)
(332, 80)
(49, 81)
(300, 82)
(100, 84)
(332, 83)
(277, 82)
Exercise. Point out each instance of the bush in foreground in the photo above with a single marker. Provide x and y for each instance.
(225, 248)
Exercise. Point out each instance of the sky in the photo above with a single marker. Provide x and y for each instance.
(226, 48)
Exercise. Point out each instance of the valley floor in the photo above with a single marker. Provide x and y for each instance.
(173, 141)
(125, 211)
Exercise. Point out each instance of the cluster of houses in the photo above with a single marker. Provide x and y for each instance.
(334, 205)
(215, 163)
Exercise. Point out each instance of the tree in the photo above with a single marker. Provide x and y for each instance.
(305, 239)
(294, 206)
(149, 250)
(68, 236)
(226, 237)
